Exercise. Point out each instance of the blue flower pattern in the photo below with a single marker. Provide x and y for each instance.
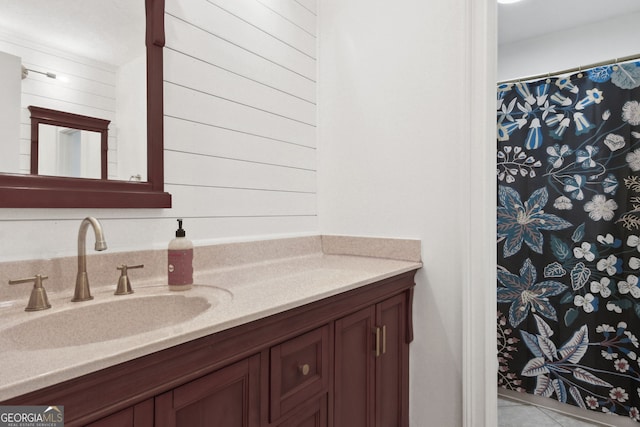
(521, 222)
(568, 236)
(525, 294)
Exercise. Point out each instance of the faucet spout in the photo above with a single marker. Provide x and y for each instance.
(82, 291)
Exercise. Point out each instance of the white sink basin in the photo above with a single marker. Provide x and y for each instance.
(95, 321)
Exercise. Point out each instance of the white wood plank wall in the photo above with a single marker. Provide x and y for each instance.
(88, 89)
(240, 135)
(240, 114)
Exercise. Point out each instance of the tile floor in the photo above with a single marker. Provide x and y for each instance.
(517, 414)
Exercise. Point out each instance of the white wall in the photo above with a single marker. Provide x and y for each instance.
(396, 159)
(575, 47)
(131, 121)
(10, 72)
(240, 130)
(240, 135)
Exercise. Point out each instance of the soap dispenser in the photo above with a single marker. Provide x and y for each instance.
(180, 261)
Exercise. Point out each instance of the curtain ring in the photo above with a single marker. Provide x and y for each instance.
(580, 75)
(615, 65)
(548, 77)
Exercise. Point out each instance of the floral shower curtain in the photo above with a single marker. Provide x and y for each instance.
(568, 170)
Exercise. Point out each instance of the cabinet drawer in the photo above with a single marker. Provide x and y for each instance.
(299, 370)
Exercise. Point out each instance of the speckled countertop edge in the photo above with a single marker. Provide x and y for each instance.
(259, 288)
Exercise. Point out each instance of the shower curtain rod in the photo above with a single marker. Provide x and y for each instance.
(572, 70)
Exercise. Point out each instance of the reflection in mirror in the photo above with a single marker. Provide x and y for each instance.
(65, 144)
(88, 60)
(37, 191)
(64, 151)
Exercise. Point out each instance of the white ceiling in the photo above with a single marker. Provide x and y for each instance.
(88, 27)
(97, 29)
(531, 18)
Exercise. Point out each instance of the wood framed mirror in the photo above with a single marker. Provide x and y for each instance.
(68, 145)
(38, 191)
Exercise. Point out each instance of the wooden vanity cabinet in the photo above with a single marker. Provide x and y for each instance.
(338, 362)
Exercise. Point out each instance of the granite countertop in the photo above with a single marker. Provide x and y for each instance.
(224, 296)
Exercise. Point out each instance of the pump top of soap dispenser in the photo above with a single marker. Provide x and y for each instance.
(180, 231)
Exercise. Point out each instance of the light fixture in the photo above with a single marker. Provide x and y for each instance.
(25, 73)
(508, 1)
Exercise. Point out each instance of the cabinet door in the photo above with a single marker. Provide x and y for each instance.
(392, 365)
(354, 379)
(371, 382)
(140, 415)
(228, 397)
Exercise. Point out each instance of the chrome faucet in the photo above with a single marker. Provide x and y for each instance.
(82, 292)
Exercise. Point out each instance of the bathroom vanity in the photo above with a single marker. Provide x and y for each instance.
(319, 340)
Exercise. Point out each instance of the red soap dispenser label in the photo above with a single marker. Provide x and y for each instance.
(180, 269)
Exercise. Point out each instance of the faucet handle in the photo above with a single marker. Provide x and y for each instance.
(124, 284)
(38, 299)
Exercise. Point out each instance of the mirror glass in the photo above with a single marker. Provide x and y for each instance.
(85, 57)
(64, 151)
